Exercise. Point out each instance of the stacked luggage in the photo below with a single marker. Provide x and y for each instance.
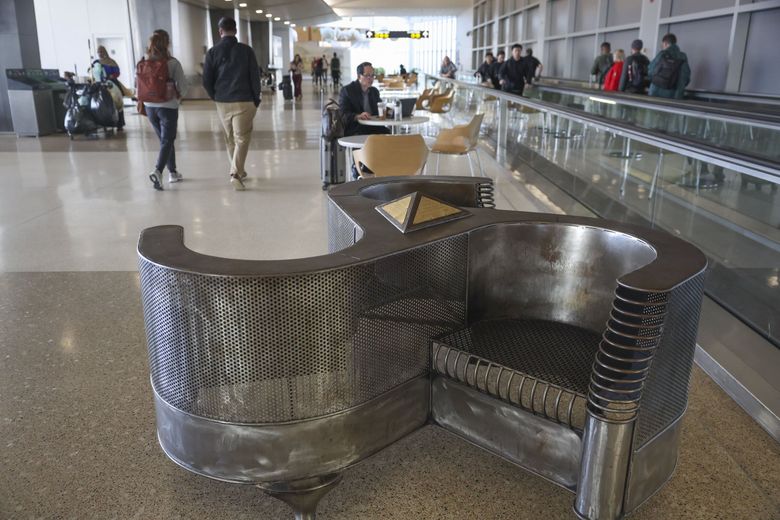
(89, 107)
(333, 168)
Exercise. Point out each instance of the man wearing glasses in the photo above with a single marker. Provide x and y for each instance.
(358, 101)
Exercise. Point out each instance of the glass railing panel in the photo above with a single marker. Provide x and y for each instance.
(760, 140)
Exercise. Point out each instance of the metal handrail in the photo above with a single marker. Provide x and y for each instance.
(687, 108)
(756, 167)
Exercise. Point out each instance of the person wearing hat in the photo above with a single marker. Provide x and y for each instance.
(633, 79)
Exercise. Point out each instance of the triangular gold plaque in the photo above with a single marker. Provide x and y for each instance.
(417, 211)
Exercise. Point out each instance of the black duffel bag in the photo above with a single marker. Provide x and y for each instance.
(102, 106)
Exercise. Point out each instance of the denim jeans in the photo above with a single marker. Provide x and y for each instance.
(164, 121)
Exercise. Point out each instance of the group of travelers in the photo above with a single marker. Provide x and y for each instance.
(666, 76)
(231, 77)
(510, 75)
(319, 70)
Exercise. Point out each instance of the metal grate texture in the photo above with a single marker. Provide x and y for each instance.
(625, 355)
(665, 395)
(485, 195)
(539, 365)
(341, 229)
(283, 348)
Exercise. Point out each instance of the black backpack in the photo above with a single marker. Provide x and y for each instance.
(637, 74)
(667, 71)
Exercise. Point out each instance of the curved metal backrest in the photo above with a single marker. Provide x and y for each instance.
(389, 155)
(557, 272)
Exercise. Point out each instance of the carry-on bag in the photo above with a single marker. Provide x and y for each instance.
(333, 168)
(287, 88)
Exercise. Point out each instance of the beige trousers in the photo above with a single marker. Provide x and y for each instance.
(237, 121)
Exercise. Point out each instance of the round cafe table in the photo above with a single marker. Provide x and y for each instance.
(393, 124)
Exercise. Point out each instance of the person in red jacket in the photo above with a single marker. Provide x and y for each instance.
(612, 80)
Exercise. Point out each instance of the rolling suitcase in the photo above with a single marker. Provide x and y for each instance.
(333, 164)
(287, 88)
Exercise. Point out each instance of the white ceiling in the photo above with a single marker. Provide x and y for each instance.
(301, 12)
(313, 12)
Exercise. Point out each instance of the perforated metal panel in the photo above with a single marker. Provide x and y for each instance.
(276, 349)
(341, 229)
(666, 390)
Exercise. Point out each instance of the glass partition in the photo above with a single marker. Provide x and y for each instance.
(730, 211)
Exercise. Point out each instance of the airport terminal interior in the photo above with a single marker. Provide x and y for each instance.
(482, 294)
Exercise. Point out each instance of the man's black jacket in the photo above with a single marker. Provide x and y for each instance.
(513, 71)
(484, 71)
(351, 104)
(230, 72)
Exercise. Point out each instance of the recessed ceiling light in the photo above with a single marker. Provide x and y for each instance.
(259, 11)
(277, 19)
(292, 25)
(287, 22)
(242, 4)
(269, 15)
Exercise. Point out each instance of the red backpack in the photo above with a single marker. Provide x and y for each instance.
(152, 81)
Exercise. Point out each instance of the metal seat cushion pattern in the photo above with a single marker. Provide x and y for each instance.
(539, 365)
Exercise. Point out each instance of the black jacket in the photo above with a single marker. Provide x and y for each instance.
(495, 68)
(643, 64)
(484, 71)
(351, 104)
(230, 72)
(514, 73)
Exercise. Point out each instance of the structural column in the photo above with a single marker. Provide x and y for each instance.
(18, 48)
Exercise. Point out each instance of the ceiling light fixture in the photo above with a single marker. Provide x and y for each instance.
(287, 22)
(277, 19)
(259, 11)
(292, 25)
(242, 4)
(269, 15)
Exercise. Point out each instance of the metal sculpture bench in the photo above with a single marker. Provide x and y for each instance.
(562, 344)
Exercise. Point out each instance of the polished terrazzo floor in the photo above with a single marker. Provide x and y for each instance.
(77, 436)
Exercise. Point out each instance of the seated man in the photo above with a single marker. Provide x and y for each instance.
(358, 101)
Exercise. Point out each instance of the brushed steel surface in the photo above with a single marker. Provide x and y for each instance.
(541, 446)
(652, 466)
(606, 449)
(254, 453)
(282, 371)
(562, 273)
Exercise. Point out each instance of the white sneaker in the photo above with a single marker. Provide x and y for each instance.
(157, 179)
(174, 177)
(237, 183)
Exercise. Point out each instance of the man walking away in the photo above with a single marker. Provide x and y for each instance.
(484, 70)
(512, 73)
(495, 68)
(633, 79)
(602, 63)
(232, 79)
(533, 67)
(669, 71)
(335, 70)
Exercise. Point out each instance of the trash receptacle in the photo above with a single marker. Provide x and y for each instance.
(32, 106)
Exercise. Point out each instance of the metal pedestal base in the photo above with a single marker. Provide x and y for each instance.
(303, 496)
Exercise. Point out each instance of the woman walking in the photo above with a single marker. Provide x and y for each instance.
(297, 76)
(163, 110)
